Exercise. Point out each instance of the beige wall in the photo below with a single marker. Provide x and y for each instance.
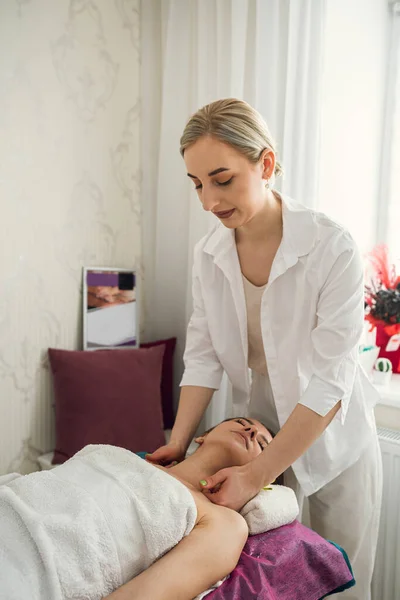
(69, 189)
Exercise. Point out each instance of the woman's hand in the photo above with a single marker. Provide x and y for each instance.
(233, 487)
(168, 455)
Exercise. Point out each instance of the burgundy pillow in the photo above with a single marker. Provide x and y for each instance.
(167, 379)
(107, 397)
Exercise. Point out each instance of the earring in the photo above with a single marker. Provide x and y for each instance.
(267, 184)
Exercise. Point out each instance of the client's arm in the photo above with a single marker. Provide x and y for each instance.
(209, 553)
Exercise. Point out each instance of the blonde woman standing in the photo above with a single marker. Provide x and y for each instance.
(278, 306)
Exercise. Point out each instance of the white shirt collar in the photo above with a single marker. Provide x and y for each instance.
(299, 234)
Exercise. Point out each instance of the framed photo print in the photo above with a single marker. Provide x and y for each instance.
(110, 308)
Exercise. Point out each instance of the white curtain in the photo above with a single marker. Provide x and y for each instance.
(267, 52)
(389, 208)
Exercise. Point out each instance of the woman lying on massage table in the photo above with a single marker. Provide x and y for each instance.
(212, 549)
(97, 524)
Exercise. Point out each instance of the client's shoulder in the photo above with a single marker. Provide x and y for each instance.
(219, 516)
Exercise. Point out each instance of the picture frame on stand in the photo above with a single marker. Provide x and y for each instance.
(110, 308)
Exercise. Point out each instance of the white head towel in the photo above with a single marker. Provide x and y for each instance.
(271, 508)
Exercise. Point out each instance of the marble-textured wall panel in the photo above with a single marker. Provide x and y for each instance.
(70, 178)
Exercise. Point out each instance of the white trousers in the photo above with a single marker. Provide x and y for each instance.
(347, 511)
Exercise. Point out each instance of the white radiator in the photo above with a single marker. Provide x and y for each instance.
(386, 580)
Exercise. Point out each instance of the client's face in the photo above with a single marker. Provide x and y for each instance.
(243, 438)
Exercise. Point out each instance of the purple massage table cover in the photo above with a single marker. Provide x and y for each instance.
(288, 563)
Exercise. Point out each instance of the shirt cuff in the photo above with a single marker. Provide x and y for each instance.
(194, 376)
(321, 396)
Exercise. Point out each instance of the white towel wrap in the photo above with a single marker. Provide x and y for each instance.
(88, 526)
(91, 524)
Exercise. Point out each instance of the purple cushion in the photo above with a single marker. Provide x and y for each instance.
(288, 563)
(107, 397)
(167, 379)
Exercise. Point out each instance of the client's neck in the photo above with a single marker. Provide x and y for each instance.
(200, 465)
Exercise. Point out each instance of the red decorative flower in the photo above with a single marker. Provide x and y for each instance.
(382, 293)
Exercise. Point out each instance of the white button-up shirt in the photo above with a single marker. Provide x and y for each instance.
(312, 315)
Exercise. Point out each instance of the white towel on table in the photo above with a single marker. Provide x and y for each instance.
(9, 477)
(86, 527)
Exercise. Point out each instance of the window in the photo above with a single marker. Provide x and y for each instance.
(389, 204)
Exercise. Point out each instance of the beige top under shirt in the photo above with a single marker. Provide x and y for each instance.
(253, 295)
(262, 404)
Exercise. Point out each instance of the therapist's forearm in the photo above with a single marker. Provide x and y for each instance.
(300, 431)
(193, 402)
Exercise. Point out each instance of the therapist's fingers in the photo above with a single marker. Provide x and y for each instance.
(160, 456)
(231, 487)
(166, 455)
(164, 461)
(217, 495)
(213, 484)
